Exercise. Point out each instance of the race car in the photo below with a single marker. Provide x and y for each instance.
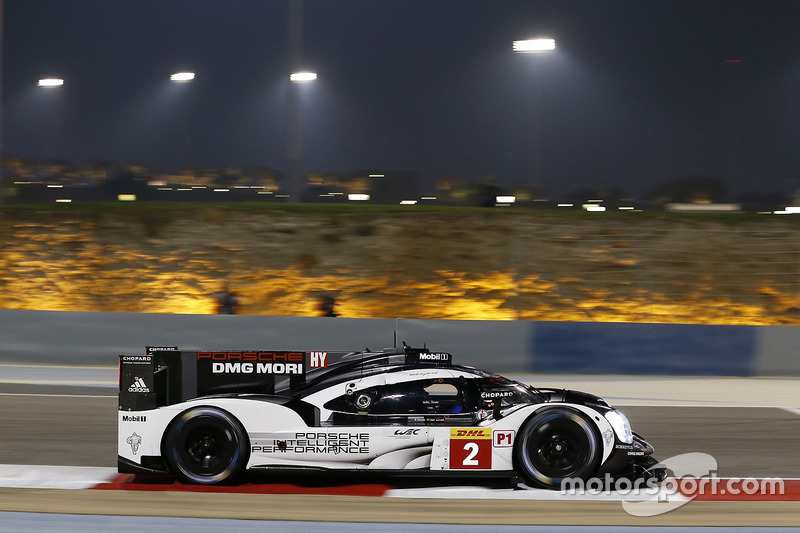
(207, 417)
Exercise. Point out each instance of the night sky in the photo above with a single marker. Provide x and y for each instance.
(637, 93)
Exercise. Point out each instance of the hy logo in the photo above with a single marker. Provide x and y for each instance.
(138, 386)
(134, 440)
(319, 360)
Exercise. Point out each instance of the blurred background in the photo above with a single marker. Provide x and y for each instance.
(514, 160)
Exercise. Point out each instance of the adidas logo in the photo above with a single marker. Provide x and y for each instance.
(138, 386)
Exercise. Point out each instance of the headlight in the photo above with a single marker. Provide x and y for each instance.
(621, 426)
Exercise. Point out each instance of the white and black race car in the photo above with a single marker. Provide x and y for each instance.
(209, 416)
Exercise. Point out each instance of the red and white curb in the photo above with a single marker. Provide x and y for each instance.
(87, 477)
(54, 477)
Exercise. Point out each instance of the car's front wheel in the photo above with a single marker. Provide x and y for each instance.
(554, 445)
(206, 445)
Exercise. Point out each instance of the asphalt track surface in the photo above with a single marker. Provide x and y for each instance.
(58, 424)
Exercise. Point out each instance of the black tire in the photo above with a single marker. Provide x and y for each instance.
(206, 445)
(556, 444)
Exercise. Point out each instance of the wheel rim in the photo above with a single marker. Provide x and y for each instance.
(559, 446)
(209, 450)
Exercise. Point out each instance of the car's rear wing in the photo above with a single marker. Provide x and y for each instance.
(165, 375)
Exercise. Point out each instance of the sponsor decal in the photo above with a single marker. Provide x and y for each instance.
(421, 356)
(254, 356)
(434, 356)
(154, 349)
(496, 394)
(470, 448)
(134, 418)
(138, 385)
(473, 433)
(256, 368)
(424, 373)
(406, 432)
(134, 441)
(254, 362)
(608, 436)
(318, 360)
(137, 359)
(503, 439)
(311, 442)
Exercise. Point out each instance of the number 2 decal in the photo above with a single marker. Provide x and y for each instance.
(473, 449)
(470, 448)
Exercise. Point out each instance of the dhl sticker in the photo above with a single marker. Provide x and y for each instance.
(470, 433)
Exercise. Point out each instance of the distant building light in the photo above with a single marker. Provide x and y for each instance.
(377, 175)
(51, 82)
(566, 205)
(222, 190)
(357, 197)
(594, 208)
(626, 208)
(182, 76)
(408, 202)
(126, 197)
(303, 77)
(528, 46)
(63, 201)
(506, 199)
(428, 198)
(706, 208)
(55, 186)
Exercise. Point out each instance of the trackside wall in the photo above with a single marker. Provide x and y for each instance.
(502, 346)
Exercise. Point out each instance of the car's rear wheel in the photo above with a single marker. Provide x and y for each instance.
(554, 445)
(206, 445)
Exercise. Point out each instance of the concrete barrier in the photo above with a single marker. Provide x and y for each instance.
(642, 349)
(97, 338)
(501, 346)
